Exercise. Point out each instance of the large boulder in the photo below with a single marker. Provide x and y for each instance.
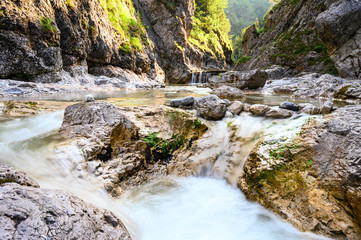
(314, 180)
(289, 106)
(33, 213)
(278, 113)
(340, 29)
(186, 102)
(128, 146)
(309, 109)
(259, 109)
(252, 79)
(236, 107)
(316, 85)
(228, 92)
(210, 107)
(9, 174)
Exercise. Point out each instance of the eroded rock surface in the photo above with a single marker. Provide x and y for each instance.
(315, 85)
(228, 92)
(340, 29)
(210, 107)
(314, 182)
(241, 79)
(126, 147)
(29, 212)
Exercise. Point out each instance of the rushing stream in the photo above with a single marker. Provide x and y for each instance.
(171, 208)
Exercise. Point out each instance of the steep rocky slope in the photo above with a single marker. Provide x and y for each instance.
(57, 40)
(314, 36)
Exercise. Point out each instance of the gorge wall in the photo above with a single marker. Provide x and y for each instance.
(315, 36)
(40, 40)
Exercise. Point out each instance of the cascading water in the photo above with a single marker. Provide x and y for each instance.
(193, 208)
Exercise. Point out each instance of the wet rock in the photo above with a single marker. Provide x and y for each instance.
(327, 107)
(289, 106)
(236, 107)
(246, 107)
(11, 175)
(210, 107)
(228, 92)
(115, 142)
(187, 101)
(315, 85)
(253, 79)
(278, 113)
(339, 28)
(259, 109)
(309, 109)
(314, 181)
(33, 213)
(89, 98)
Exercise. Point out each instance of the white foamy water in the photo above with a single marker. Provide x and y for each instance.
(169, 209)
(203, 209)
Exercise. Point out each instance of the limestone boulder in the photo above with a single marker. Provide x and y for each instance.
(210, 107)
(236, 107)
(278, 113)
(259, 109)
(228, 92)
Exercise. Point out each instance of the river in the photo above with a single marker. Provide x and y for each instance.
(206, 207)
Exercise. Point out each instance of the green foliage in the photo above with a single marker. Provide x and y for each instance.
(6, 180)
(48, 25)
(243, 60)
(152, 139)
(121, 14)
(211, 27)
(69, 3)
(243, 13)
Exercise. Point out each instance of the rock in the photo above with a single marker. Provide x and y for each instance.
(210, 107)
(113, 140)
(316, 85)
(228, 92)
(309, 109)
(259, 109)
(228, 114)
(339, 28)
(228, 103)
(246, 107)
(9, 174)
(327, 107)
(314, 181)
(278, 113)
(277, 72)
(187, 101)
(246, 79)
(236, 107)
(89, 98)
(33, 213)
(289, 106)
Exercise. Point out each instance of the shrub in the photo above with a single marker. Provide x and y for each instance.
(47, 24)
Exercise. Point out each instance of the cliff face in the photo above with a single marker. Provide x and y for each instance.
(169, 25)
(40, 40)
(301, 35)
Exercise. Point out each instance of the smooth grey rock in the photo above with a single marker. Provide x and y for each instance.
(210, 107)
(11, 174)
(327, 107)
(278, 113)
(187, 101)
(34, 213)
(228, 92)
(289, 106)
(259, 109)
(246, 107)
(309, 109)
(228, 114)
(236, 107)
(252, 79)
(89, 98)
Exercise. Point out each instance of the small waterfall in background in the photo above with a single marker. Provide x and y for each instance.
(203, 76)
